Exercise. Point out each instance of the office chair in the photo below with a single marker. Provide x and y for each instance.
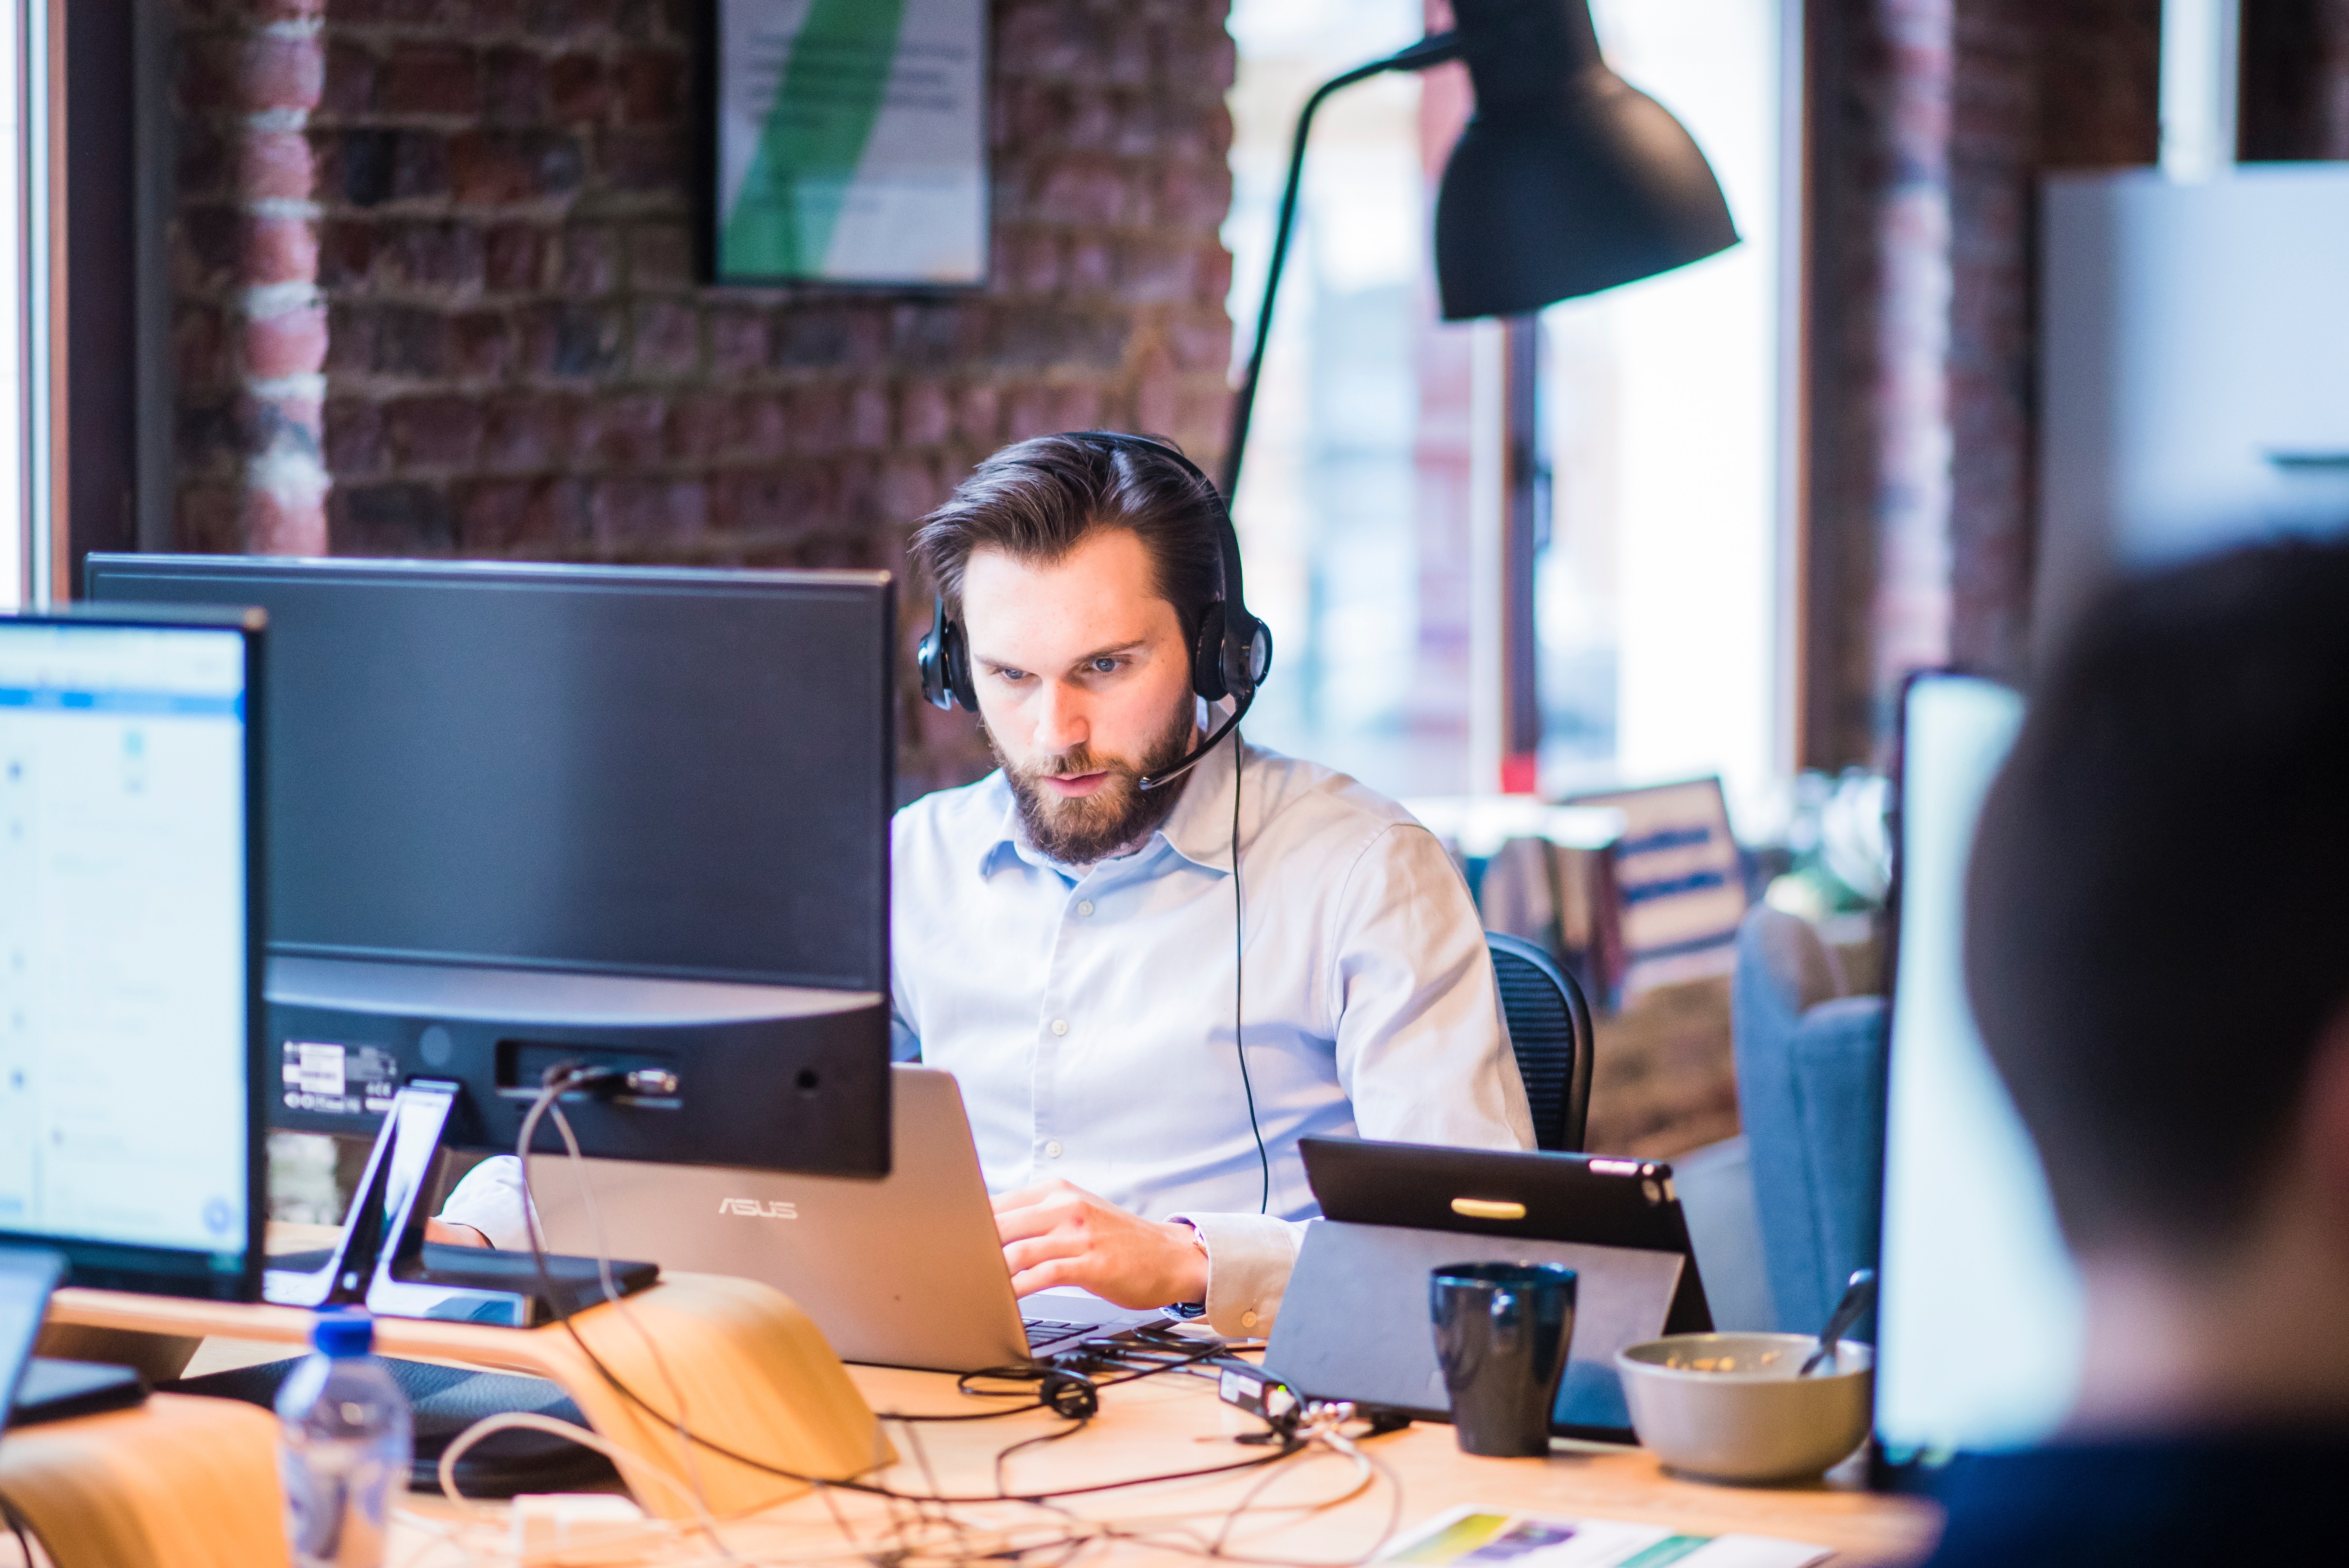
(1549, 1028)
(1810, 1090)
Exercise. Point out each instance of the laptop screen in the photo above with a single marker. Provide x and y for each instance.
(1978, 1316)
(126, 964)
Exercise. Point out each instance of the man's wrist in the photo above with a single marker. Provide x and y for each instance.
(1202, 1264)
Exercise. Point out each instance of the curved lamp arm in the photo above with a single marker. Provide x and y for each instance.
(1432, 50)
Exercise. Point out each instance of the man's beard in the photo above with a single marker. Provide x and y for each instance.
(1113, 819)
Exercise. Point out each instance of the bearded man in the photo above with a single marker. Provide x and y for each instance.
(1148, 995)
(1081, 954)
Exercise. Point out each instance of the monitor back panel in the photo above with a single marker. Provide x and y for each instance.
(642, 770)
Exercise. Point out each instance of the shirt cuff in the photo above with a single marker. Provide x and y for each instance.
(490, 1199)
(1249, 1257)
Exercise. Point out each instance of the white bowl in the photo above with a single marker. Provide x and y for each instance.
(1728, 1406)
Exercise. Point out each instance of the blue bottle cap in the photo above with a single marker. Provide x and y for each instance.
(341, 1334)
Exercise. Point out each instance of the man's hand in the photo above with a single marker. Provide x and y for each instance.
(454, 1234)
(1057, 1235)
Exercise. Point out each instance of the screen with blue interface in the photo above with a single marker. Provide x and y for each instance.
(1978, 1316)
(124, 966)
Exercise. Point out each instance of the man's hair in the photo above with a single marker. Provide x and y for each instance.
(2157, 908)
(1038, 500)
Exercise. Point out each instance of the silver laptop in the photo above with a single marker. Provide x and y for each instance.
(903, 1272)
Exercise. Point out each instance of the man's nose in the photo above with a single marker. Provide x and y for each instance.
(1062, 719)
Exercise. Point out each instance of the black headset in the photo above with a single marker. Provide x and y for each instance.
(1232, 654)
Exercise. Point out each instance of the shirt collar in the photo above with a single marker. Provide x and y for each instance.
(1199, 829)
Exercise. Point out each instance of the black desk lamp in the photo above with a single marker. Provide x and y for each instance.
(1567, 181)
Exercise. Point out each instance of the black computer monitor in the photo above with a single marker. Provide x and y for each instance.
(131, 1056)
(1979, 1314)
(523, 814)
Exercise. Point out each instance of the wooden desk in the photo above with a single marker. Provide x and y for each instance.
(1174, 1422)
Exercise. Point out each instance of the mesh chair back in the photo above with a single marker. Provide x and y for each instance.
(1549, 1027)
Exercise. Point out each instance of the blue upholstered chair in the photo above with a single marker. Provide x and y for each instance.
(1810, 1090)
(1550, 1031)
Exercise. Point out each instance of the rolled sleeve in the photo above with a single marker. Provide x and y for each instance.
(490, 1199)
(1249, 1257)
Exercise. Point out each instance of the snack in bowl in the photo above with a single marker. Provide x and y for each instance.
(1730, 1407)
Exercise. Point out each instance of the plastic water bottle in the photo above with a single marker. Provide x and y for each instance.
(343, 1445)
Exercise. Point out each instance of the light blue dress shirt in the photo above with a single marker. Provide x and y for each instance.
(1087, 1012)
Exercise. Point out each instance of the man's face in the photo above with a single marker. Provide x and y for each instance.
(1085, 687)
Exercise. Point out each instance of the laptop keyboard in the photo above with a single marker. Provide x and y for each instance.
(1043, 1330)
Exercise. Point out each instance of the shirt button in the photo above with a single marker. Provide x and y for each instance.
(1247, 1320)
(1052, 1150)
(1060, 1026)
(1086, 907)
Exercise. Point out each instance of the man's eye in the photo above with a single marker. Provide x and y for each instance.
(1012, 675)
(1106, 665)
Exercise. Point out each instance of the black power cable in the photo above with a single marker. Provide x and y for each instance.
(1239, 972)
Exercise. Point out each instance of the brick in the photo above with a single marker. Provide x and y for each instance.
(278, 251)
(1030, 414)
(487, 168)
(284, 525)
(206, 519)
(275, 71)
(816, 416)
(526, 432)
(700, 427)
(421, 78)
(438, 256)
(514, 87)
(573, 340)
(436, 432)
(206, 438)
(482, 345)
(513, 258)
(1091, 265)
(666, 339)
(925, 415)
(199, 349)
(661, 255)
(738, 340)
(202, 166)
(292, 342)
(867, 424)
(979, 415)
(403, 341)
(566, 18)
(759, 427)
(356, 447)
(637, 160)
(649, 87)
(346, 253)
(399, 518)
(1154, 272)
(275, 164)
(576, 88)
(349, 89)
(622, 432)
(206, 250)
(590, 262)
(629, 511)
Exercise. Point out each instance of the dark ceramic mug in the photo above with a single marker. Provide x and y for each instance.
(1502, 1332)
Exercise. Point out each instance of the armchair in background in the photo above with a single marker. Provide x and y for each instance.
(1810, 1090)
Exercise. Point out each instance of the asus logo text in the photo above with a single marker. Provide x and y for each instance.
(751, 1208)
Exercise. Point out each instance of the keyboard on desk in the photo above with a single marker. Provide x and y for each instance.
(1043, 1331)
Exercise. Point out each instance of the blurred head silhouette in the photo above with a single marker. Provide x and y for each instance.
(2158, 952)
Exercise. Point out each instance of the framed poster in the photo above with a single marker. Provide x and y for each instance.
(851, 142)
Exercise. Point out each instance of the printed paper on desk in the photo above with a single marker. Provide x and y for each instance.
(1487, 1539)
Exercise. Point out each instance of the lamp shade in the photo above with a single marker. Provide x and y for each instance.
(1567, 179)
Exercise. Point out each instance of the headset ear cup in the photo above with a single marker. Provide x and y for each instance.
(1207, 658)
(929, 658)
(957, 668)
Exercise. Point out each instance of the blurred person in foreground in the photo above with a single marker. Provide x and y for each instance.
(2157, 952)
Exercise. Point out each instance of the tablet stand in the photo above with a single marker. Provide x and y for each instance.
(382, 1261)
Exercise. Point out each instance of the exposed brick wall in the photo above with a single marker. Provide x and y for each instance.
(497, 198)
(1932, 123)
(2295, 82)
(249, 331)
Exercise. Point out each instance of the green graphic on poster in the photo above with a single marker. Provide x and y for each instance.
(851, 142)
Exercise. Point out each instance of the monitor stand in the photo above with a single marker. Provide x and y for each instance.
(382, 1261)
